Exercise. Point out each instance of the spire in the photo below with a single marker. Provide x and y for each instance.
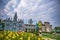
(15, 16)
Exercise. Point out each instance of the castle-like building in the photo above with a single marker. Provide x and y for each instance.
(15, 25)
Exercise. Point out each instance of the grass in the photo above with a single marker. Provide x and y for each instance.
(53, 36)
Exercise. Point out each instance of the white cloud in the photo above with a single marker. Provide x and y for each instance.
(35, 9)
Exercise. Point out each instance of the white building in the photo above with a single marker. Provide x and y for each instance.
(46, 27)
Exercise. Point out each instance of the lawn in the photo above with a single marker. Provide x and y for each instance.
(49, 35)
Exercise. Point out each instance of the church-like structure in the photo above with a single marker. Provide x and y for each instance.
(16, 25)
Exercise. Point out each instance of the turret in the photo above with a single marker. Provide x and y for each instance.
(15, 17)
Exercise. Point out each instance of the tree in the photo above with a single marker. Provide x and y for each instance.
(2, 25)
(0, 20)
(57, 29)
(40, 24)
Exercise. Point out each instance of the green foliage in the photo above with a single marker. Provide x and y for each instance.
(2, 25)
(57, 29)
(36, 32)
(53, 36)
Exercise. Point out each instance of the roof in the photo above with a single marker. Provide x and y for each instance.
(29, 25)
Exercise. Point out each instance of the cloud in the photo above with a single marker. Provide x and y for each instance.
(35, 9)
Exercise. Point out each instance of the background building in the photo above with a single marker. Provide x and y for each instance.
(16, 25)
(29, 27)
(47, 27)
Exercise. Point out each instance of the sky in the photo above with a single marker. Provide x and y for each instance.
(44, 10)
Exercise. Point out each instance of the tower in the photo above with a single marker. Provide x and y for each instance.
(30, 21)
(15, 17)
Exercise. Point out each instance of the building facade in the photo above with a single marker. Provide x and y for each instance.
(29, 27)
(15, 25)
(46, 27)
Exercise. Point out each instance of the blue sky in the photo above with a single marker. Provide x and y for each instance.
(44, 10)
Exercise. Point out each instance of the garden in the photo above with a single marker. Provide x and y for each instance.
(10, 35)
